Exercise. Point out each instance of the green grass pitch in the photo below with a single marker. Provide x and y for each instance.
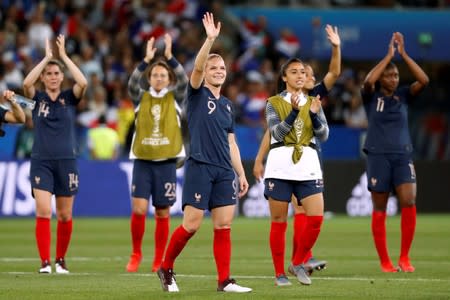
(100, 248)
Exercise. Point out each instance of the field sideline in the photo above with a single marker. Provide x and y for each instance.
(100, 248)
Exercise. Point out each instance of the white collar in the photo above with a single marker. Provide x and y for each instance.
(161, 93)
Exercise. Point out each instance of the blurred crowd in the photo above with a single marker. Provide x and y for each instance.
(107, 38)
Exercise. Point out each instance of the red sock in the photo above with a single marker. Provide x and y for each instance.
(408, 226)
(278, 245)
(222, 253)
(379, 236)
(310, 235)
(137, 231)
(299, 227)
(179, 239)
(43, 236)
(161, 235)
(63, 235)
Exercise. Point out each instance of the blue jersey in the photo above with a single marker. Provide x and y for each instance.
(388, 130)
(319, 89)
(210, 120)
(54, 126)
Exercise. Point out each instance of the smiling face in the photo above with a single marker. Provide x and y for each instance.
(215, 71)
(294, 76)
(52, 76)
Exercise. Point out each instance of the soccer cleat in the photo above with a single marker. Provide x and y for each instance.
(282, 280)
(134, 262)
(389, 268)
(292, 271)
(46, 268)
(167, 278)
(315, 264)
(60, 266)
(405, 265)
(302, 274)
(230, 286)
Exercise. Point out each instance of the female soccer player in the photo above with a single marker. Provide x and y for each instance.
(312, 89)
(156, 146)
(293, 166)
(53, 165)
(209, 177)
(389, 150)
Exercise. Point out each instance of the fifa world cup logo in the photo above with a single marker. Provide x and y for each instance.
(156, 113)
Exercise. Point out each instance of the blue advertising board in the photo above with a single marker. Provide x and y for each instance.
(104, 189)
(365, 33)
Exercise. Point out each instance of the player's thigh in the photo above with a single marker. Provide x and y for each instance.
(278, 189)
(310, 193)
(223, 192)
(41, 175)
(379, 173)
(66, 177)
(164, 184)
(403, 169)
(197, 185)
(141, 180)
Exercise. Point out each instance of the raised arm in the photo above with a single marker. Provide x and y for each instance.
(80, 81)
(375, 73)
(421, 78)
(334, 69)
(212, 32)
(30, 80)
(134, 88)
(16, 114)
(182, 79)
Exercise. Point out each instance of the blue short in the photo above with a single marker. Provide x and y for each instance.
(387, 171)
(58, 176)
(155, 178)
(282, 190)
(207, 186)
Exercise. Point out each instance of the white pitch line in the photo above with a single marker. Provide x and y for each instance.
(262, 277)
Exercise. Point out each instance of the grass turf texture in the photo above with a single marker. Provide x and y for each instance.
(100, 249)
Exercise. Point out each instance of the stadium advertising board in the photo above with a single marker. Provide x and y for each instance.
(105, 189)
(364, 33)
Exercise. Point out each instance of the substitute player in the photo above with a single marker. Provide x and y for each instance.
(53, 168)
(156, 147)
(293, 166)
(389, 149)
(312, 89)
(209, 177)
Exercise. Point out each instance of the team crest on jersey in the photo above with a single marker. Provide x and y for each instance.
(133, 188)
(373, 181)
(198, 197)
(73, 181)
(62, 101)
(271, 185)
(37, 179)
